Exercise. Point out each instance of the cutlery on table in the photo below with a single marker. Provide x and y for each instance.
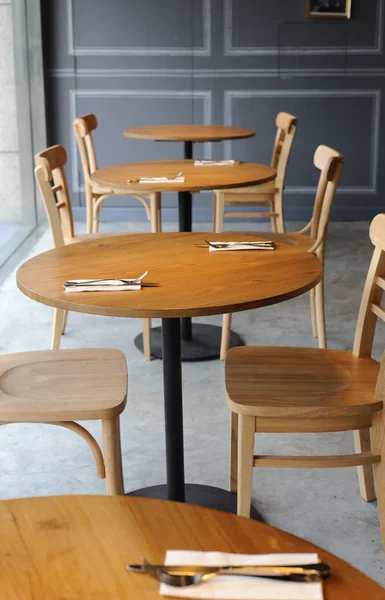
(106, 281)
(268, 244)
(170, 178)
(185, 575)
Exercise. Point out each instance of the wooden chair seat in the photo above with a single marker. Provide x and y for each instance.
(300, 382)
(62, 385)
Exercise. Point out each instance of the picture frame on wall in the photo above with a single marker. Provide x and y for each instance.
(328, 9)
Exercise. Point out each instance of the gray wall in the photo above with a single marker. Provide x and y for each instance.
(217, 61)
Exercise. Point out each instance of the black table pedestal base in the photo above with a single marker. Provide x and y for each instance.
(202, 495)
(204, 345)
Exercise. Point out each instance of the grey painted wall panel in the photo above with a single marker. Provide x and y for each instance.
(217, 61)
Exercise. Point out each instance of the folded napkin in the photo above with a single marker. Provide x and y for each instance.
(238, 246)
(215, 163)
(104, 285)
(179, 179)
(238, 587)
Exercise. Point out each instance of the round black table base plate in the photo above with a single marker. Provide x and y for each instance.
(202, 495)
(205, 343)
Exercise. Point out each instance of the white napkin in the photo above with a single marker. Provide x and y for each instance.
(110, 285)
(238, 246)
(179, 179)
(215, 163)
(242, 588)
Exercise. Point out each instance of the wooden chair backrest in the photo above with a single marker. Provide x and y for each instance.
(52, 182)
(371, 309)
(286, 130)
(330, 163)
(83, 127)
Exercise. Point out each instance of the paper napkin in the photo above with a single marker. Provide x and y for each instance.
(232, 587)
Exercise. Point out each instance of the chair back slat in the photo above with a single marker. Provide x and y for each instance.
(50, 165)
(83, 127)
(371, 309)
(286, 130)
(330, 162)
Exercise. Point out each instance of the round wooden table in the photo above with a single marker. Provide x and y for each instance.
(79, 546)
(192, 282)
(199, 341)
(188, 134)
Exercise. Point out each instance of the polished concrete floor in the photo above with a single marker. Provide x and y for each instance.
(323, 506)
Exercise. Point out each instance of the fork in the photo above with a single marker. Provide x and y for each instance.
(138, 180)
(264, 244)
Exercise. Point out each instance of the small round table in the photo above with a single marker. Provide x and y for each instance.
(188, 134)
(192, 282)
(79, 546)
(199, 341)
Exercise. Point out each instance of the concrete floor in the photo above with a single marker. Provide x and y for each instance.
(322, 506)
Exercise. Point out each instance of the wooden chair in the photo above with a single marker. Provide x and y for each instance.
(95, 196)
(293, 390)
(268, 194)
(330, 163)
(60, 387)
(50, 165)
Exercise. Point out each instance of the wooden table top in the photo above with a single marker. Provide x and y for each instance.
(79, 546)
(196, 178)
(192, 281)
(189, 133)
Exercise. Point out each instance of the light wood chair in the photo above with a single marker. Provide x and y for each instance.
(95, 196)
(62, 386)
(50, 165)
(295, 390)
(268, 194)
(330, 163)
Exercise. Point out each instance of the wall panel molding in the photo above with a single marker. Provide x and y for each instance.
(230, 50)
(217, 73)
(173, 95)
(204, 50)
(374, 95)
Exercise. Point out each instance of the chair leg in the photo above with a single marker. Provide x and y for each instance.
(233, 451)
(154, 213)
(112, 456)
(378, 445)
(313, 313)
(273, 219)
(219, 212)
(246, 431)
(89, 204)
(226, 331)
(278, 207)
(320, 314)
(159, 213)
(58, 325)
(64, 322)
(95, 220)
(214, 210)
(365, 473)
(146, 327)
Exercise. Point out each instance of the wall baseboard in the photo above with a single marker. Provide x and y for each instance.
(204, 215)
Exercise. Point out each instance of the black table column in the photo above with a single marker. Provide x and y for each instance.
(173, 408)
(185, 224)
